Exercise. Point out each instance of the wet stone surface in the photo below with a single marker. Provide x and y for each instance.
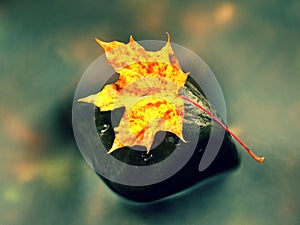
(196, 122)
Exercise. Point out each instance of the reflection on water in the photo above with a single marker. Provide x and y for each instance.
(251, 46)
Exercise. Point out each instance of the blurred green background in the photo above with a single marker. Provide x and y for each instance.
(45, 46)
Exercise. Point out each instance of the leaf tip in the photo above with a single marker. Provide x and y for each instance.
(116, 145)
(131, 39)
(103, 44)
(88, 99)
(169, 38)
(82, 100)
(148, 150)
(98, 41)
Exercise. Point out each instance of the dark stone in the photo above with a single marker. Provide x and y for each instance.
(195, 120)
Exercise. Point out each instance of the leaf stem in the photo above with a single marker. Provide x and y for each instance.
(257, 158)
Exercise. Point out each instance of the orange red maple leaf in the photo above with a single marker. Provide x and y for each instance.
(148, 87)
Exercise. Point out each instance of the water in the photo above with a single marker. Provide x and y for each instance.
(253, 49)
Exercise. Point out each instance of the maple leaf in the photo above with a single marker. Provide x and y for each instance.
(148, 87)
